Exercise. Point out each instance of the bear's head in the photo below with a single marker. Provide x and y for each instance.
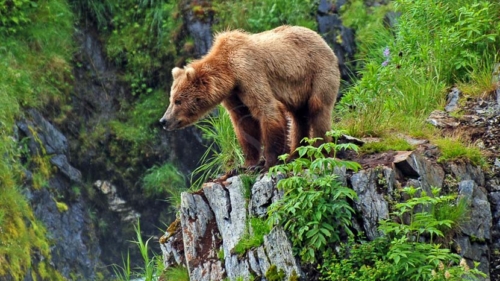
(189, 98)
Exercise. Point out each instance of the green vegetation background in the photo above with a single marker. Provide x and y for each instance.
(404, 73)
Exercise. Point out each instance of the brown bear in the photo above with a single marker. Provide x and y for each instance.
(262, 80)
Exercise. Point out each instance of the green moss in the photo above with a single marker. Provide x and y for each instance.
(294, 276)
(177, 273)
(254, 236)
(248, 182)
(273, 274)
(61, 206)
(34, 58)
(220, 255)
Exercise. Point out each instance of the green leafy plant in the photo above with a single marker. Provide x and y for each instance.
(401, 254)
(419, 223)
(15, 14)
(315, 207)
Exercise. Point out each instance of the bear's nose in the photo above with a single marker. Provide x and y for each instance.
(163, 121)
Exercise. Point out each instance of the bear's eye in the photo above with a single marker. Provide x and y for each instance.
(177, 102)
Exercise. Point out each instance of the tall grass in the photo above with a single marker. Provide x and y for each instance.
(224, 152)
(152, 269)
(408, 68)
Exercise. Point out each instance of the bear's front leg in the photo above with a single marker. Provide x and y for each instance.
(247, 130)
(274, 135)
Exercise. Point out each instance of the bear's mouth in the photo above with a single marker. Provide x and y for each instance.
(176, 125)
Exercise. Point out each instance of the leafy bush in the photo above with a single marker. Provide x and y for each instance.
(314, 208)
(419, 223)
(15, 14)
(400, 254)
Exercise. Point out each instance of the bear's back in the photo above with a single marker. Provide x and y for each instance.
(288, 52)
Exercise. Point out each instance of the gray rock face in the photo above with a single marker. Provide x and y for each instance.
(264, 193)
(477, 229)
(452, 102)
(201, 239)
(76, 251)
(213, 221)
(413, 165)
(371, 203)
(216, 218)
(480, 224)
(199, 27)
(44, 138)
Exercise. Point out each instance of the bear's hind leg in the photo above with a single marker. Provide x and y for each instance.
(320, 119)
(300, 129)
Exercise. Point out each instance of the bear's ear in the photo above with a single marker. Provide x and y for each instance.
(176, 72)
(190, 73)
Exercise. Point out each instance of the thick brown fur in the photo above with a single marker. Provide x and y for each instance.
(261, 79)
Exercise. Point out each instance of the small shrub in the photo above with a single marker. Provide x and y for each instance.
(400, 254)
(15, 14)
(314, 208)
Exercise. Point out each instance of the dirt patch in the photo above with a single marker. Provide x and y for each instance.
(374, 160)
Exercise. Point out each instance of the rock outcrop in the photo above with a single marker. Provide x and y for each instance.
(213, 220)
